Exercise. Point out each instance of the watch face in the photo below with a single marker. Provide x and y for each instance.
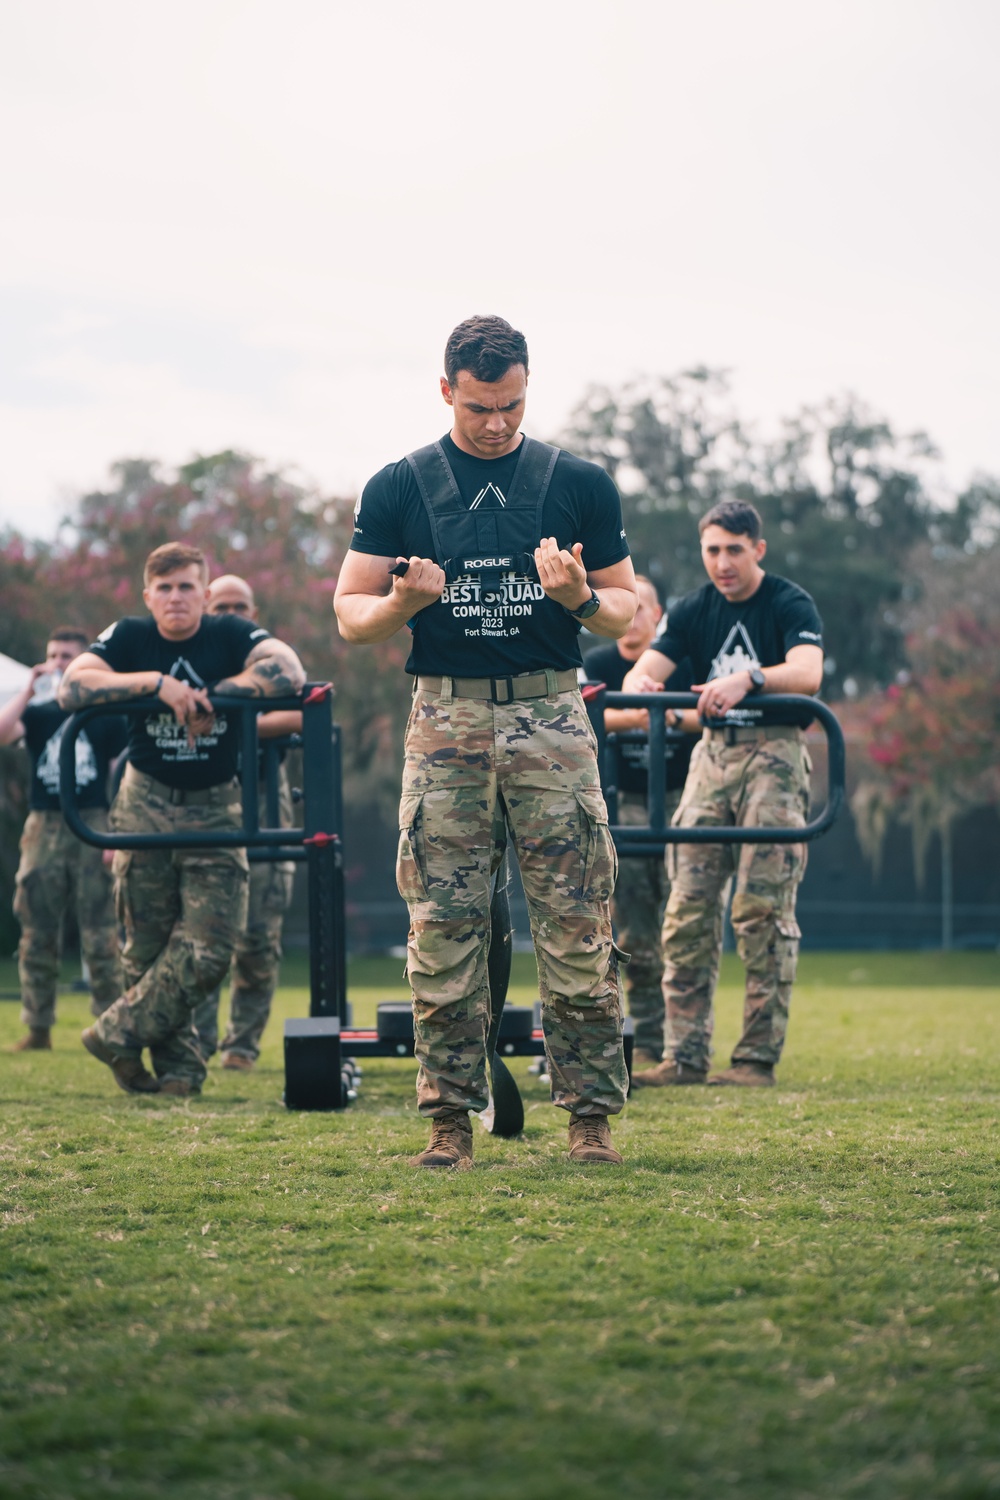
(585, 611)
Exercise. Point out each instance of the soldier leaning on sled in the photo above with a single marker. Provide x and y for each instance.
(182, 909)
(747, 634)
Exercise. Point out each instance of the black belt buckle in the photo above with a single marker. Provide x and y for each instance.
(510, 689)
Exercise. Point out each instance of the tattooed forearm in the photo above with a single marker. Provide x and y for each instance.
(272, 670)
(78, 693)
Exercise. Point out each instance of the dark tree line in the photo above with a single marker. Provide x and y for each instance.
(845, 501)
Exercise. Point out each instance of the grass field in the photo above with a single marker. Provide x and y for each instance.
(792, 1293)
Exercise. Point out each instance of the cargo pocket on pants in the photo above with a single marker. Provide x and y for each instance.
(787, 949)
(598, 855)
(411, 881)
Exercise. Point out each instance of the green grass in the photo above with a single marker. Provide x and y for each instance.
(790, 1293)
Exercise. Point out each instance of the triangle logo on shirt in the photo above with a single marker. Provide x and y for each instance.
(183, 670)
(489, 495)
(737, 654)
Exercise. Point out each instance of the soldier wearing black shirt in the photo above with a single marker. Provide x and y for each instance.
(493, 548)
(56, 872)
(642, 887)
(182, 909)
(747, 634)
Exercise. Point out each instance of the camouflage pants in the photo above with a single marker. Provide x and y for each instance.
(763, 782)
(182, 911)
(257, 956)
(58, 873)
(476, 773)
(637, 906)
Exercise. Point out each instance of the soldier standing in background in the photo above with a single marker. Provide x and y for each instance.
(57, 872)
(257, 955)
(747, 633)
(182, 909)
(642, 887)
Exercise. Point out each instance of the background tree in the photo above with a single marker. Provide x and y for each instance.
(932, 736)
(286, 538)
(844, 501)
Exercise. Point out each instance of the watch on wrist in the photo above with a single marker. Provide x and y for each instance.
(588, 608)
(757, 680)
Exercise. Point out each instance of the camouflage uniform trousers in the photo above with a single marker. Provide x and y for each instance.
(257, 956)
(58, 872)
(474, 771)
(637, 907)
(759, 782)
(182, 911)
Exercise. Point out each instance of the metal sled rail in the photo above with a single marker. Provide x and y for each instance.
(631, 840)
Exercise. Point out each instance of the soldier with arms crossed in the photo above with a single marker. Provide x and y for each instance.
(182, 909)
(257, 956)
(747, 633)
(56, 871)
(501, 546)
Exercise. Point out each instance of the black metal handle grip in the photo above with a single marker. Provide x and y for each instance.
(249, 836)
(645, 841)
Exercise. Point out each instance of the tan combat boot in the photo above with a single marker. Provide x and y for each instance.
(668, 1074)
(39, 1039)
(590, 1140)
(129, 1073)
(237, 1062)
(747, 1075)
(643, 1058)
(178, 1088)
(450, 1144)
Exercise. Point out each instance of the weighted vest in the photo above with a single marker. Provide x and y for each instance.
(479, 543)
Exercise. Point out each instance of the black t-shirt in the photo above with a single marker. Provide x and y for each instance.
(96, 746)
(157, 744)
(720, 638)
(524, 631)
(606, 664)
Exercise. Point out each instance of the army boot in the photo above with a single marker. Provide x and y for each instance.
(237, 1062)
(128, 1070)
(643, 1058)
(747, 1075)
(450, 1144)
(39, 1039)
(178, 1088)
(668, 1074)
(590, 1140)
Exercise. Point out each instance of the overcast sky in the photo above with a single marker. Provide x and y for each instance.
(237, 223)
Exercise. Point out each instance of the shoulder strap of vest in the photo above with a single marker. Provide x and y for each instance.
(436, 482)
(533, 475)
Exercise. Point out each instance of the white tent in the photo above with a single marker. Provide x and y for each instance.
(13, 676)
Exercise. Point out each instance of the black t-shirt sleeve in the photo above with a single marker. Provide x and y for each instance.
(675, 642)
(116, 645)
(376, 516)
(798, 619)
(602, 527)
(238, 638)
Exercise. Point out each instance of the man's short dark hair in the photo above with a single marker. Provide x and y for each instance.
(170, 558)
(737, 516)
(69, 633)
(485, 346)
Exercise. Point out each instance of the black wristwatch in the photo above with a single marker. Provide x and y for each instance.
(588, 608)
(757, 680)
